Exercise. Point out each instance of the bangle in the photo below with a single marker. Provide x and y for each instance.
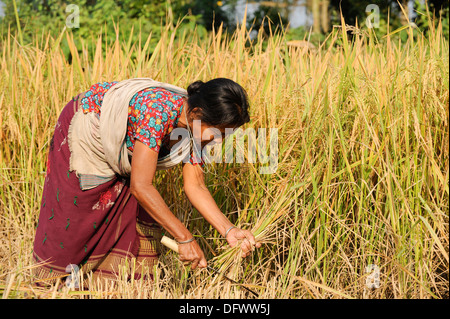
(228, 230)
(186, 241)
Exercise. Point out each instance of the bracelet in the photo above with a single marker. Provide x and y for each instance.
(186, 241)
(228, 230)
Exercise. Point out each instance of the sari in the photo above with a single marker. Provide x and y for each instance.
(101, 230)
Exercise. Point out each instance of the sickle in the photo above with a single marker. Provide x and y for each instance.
(172, 244)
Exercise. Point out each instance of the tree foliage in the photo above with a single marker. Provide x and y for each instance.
(146, 16)
(29, 18)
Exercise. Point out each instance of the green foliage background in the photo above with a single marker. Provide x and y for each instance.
(32, 18)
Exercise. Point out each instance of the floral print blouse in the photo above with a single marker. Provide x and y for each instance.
(152, 114)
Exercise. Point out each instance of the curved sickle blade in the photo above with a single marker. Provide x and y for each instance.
(172, 244)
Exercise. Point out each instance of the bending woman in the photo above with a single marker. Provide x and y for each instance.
(99, 204)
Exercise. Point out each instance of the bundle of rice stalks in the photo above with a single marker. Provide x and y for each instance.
(274, 213)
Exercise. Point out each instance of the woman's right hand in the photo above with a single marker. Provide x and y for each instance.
(192, 253)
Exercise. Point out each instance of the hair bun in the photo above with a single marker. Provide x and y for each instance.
(194, 87)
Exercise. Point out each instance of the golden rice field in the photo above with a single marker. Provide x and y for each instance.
(363, 166)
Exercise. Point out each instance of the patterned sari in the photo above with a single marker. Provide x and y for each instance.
(98, 230)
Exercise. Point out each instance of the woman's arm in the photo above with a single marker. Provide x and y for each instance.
(143, 168)
(200, 197)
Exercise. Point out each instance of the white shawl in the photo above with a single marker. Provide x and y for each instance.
(97, 143)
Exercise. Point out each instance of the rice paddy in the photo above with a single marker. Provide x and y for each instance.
(362, 176)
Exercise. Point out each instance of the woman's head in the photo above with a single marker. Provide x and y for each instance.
(218, 103)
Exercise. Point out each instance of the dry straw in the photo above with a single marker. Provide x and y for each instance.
(363, 160)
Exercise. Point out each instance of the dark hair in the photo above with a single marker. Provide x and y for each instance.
(222, 102)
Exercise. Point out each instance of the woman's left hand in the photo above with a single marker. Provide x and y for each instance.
(248, 242)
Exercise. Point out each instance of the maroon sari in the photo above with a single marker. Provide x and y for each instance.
(97, 229)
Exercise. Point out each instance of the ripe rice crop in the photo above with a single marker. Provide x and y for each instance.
(362, 175)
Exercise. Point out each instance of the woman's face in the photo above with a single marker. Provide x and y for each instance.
(208, 135)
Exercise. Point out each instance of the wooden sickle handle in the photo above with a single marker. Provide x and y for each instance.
(169, 243)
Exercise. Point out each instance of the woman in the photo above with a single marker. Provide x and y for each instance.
(99, 204)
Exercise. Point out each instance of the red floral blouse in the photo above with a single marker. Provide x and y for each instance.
(153, 113)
